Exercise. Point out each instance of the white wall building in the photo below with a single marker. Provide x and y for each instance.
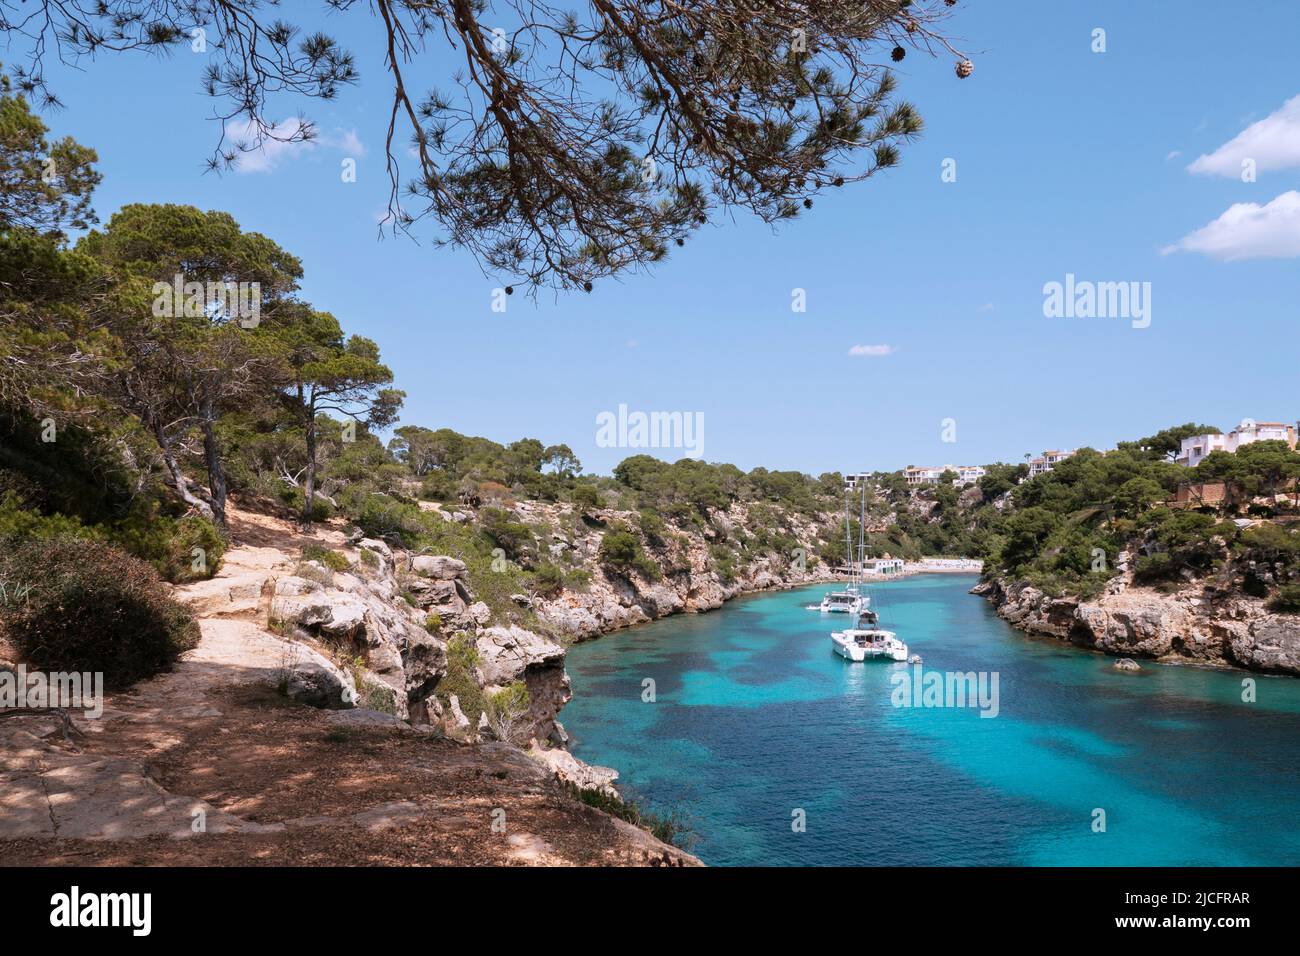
(1044, 463)
(1194, 449)
(930, 476)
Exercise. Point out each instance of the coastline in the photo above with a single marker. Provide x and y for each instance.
(1139, 623)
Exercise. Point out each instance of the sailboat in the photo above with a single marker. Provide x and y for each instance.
(850, 600)
(866, 640)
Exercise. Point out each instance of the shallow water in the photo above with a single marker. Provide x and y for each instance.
(755, 719)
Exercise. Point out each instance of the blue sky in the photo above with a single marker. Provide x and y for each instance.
(1068, 161)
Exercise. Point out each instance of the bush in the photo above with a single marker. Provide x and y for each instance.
(548, 579)
(507, 712)
(513, 537)
(334, 560)
(584, 497)
(321, 510)
(185, 549)
(19, 520)
(1287, 600)
(381, 516)
(76, 605)
(620, 550)
(462, 656)
(672, 829)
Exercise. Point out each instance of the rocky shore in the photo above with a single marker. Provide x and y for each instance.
(1196, 624)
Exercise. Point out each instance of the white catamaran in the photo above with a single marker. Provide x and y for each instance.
(866, 640)
(851, 599)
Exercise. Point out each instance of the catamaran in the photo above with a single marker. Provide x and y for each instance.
(866, 643)
(850, 600)
(866, 640)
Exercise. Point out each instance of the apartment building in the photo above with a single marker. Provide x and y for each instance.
(1194, 449)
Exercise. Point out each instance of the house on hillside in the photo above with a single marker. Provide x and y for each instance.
(916, 477)
(1045, 462)
(1196, 448)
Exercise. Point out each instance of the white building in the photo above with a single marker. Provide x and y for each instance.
(883, 565)
(1194, 449)
(930, 476)
(1044, 463)
(851, 482)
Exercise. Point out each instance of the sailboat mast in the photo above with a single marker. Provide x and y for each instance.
(848, 535)
(862, 531)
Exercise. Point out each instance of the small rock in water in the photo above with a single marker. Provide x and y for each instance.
(1127, 664)
(914, 659)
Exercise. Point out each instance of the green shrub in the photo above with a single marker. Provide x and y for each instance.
(620, 551)
(672, 829)
(459, 679)
(724, 563)
(321, 510)
(579, 579)
(334, 560)
(20, 521)
(513, 537)
(381, 516)
(438, 486)
(548, 579)
(322, 576)
(433, 623)
(87, 606)
(584, 497)
(507, 712)
(1287, 600)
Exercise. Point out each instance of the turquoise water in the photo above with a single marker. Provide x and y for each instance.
(755, 719)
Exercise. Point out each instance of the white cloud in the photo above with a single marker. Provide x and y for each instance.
(1273, 143)
(1249, 231)
(348, 142)
(873, 351)
(279, 147)
(1173, 154)
(987, 307)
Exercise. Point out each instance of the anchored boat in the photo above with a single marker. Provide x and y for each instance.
(850, 600)
(866, 640)
(868, 643)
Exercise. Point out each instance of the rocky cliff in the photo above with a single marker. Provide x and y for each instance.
(1196, 623)
(691, 580)
(405, 633)
(209, 763)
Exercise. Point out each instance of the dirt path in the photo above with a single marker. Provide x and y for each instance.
(210, 765)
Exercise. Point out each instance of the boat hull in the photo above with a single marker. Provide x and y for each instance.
(858, 646)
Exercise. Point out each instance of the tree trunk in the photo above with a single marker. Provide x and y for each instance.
(216, 473)
(309, 483)
(177, 476)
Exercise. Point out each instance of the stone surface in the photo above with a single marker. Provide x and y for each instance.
(1192, 624)
(439, 566)
(572, 770)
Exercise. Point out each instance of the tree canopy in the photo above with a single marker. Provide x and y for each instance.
(570, 145)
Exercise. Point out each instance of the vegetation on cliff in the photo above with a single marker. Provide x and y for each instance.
(1065, 531)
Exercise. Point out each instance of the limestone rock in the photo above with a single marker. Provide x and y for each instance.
(572, 770)
(439, 567)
